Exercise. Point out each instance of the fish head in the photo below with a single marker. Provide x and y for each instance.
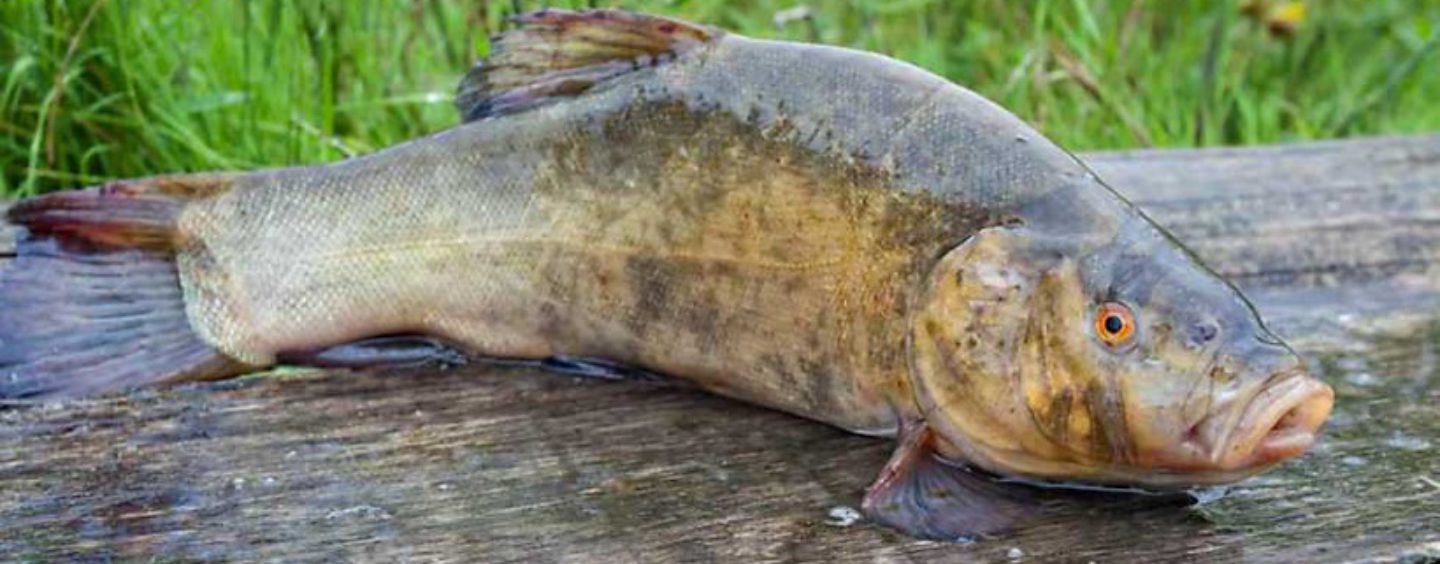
(1112, 360)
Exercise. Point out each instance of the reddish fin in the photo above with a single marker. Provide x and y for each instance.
(923, 496)
(101, 218)
(559, 53)
(124, 214)
(92, 301)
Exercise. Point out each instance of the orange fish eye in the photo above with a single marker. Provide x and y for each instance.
(1114, 324)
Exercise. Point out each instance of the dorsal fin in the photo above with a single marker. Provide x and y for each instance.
(559, 53)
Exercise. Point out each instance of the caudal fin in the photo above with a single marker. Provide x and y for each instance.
(92, 301)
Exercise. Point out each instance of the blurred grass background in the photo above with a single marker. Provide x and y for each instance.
(97, 89)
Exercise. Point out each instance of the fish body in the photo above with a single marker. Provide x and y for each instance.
(819, 230)
(742, 245)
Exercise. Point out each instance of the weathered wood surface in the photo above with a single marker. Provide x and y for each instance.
(7, 234)
(1338, 242)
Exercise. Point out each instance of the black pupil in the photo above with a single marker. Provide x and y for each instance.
(1113, 324)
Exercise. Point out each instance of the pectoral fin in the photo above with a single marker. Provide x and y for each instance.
(925, 497)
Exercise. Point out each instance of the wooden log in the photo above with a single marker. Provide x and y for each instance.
(7, 234)
(1336, 240)
(1331, 213)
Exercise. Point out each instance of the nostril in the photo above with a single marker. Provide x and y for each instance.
(1202, 333)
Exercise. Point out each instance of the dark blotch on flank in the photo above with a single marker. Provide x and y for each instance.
(651, 280)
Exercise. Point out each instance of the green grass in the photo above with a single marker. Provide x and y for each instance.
(98, 89)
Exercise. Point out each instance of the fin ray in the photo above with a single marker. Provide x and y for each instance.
(393, 351)
(919, 494)
(555, 54)
(92, 301)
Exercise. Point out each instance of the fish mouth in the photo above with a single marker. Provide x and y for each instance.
(1279, 423)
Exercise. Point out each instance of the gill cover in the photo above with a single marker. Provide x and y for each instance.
(993, 345)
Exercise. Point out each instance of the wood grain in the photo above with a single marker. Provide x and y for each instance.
(1339, 212)
(7, 234)
(1338, 242)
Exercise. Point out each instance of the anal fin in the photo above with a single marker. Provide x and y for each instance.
(413, 351)
(394, 351)
(925, 497)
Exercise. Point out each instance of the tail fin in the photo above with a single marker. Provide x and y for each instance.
(92, 301)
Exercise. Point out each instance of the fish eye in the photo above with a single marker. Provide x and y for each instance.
(1114, 324)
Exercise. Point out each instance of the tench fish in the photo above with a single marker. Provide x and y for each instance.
(828, 232)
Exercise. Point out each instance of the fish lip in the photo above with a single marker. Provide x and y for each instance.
(1230, 444)
(1260, 438)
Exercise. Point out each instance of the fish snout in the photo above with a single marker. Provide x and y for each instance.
(1281, 422)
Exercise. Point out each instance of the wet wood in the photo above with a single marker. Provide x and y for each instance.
(1338, 242)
